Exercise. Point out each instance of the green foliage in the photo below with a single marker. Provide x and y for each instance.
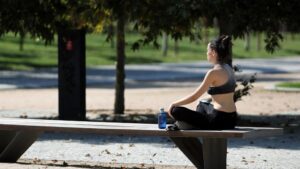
(272, 41)
(176, 18)
(35, 17)
(240, 17)
(43, 18)
(244, 86)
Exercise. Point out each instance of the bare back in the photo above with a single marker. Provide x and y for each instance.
(223, 102)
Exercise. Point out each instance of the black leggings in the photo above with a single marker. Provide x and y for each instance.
(205, 117)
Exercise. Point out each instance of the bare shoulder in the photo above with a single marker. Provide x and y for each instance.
(218, 71)
(213, 72)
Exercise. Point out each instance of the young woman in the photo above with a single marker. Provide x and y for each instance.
(220, 83)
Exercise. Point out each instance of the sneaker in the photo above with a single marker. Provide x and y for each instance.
(172, 127)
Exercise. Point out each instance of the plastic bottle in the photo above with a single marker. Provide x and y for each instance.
(162, 119)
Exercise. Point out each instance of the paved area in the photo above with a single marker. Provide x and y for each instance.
(155, 75)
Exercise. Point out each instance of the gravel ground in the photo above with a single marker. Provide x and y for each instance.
(274, 152)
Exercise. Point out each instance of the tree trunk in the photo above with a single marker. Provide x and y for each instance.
(205, 31)
(215, 25)
(165, 44)
(206, 35)
(120, 67)
(198, 31)
(21, 42)
(176, 48)
(111, 31)
(258, 43)
(247, 42)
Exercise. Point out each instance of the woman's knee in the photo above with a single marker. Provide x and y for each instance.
(175, 111)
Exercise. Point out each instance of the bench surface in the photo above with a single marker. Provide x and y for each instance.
(114, 128)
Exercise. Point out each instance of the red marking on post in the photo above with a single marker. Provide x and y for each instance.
(69, 45)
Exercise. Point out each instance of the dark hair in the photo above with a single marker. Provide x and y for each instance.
(222, 45)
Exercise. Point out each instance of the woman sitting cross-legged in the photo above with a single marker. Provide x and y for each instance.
(220, 83)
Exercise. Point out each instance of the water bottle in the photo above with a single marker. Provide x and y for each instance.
(162, 119)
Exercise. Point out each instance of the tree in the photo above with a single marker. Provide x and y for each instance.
(43, 19)
(258, 41)
(205, 30)
(174, 20)
(176, 48)
(165, 44)
(119, 14)
(111, 31)
(247, 42)
(35, 17)
(21, 41)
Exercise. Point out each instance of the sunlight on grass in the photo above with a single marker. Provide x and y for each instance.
(100, 52)
(289, 84)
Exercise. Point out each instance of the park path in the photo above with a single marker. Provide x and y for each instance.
(155, 75)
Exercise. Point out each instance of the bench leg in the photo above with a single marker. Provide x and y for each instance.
(6, 136)
(14, 143)
(192, 148)
(214, 152)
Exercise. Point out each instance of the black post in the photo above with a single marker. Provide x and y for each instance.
(71, 74)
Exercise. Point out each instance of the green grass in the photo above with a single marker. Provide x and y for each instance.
(99, 52)
(288, 47)
(289, 84)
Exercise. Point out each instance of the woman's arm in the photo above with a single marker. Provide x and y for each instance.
(208, 79)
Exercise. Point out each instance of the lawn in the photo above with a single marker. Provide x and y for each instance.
(289, 84)
(99, 52)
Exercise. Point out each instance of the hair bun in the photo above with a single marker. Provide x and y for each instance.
(225, 41)
(225, 37)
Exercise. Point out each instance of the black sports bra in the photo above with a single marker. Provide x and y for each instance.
(228, 87)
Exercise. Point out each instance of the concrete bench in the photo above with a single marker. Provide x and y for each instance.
(17, 135)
